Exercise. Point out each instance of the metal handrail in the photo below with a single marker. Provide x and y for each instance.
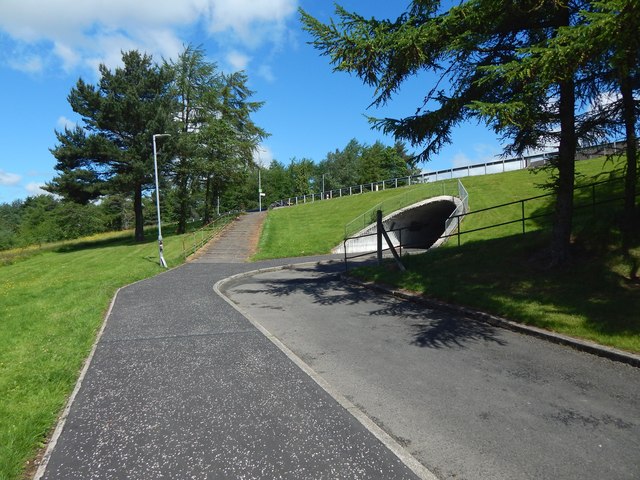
(206, 233)
(524, 162)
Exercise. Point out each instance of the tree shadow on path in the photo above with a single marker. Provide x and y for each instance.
(429, 327)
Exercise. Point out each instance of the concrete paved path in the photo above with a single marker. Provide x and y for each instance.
(469, 400)
(237, 242)
(181, 385)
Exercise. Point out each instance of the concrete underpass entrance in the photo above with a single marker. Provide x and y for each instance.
(423, 225)
(420, 225)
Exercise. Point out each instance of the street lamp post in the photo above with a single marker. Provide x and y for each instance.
(163, 263)
(259, 192)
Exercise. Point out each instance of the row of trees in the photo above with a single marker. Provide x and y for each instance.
(539, 72)
(356, 164)
(207, 160)
(186, 196)
(206, 113)
(43, 218)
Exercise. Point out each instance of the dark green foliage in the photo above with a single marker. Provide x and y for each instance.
(10, 214)
(43, 218)
(358, 163)
(112, 150)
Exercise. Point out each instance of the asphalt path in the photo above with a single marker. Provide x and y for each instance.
(181, 385)
(468, 400)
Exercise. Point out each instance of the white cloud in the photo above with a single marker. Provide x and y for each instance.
(69, 34)
(263, 156)
(250, 20)
(460, 160)
(70, 58)
(237, 60)
(63, 122)
(8, 179)
(30, 63)
(35, 188)
(266, 72)
(485, 152)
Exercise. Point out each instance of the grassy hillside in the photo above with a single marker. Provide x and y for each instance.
(315, 228)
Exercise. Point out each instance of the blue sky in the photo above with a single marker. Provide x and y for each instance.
(309, 110)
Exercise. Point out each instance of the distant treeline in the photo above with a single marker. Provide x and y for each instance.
(46, 218)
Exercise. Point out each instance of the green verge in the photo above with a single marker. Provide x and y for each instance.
(314, 228)
(53, 301)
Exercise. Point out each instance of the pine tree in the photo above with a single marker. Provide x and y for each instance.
(112, 150)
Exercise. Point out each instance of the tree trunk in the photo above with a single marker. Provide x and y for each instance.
(137, 209)
(183, 201)
(207, 206)
(631, 179)
(562, 222)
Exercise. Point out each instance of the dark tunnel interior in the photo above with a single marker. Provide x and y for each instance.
(422, 225)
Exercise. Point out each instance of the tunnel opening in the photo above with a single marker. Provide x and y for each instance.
(418, 226)
(422, 225)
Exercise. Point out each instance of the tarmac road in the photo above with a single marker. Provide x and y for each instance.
(468, 400)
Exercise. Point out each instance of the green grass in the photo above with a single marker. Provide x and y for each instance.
(491, 190)
(53, 301)
(591, 298)
(316, 227)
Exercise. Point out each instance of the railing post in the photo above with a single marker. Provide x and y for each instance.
(346, 262)
(458, 220)
(379, 235)
(523, 225)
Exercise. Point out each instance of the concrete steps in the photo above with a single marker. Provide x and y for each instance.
(236, 243)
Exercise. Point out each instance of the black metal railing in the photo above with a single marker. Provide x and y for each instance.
(590, 199)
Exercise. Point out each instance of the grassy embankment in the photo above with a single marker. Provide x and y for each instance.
(52, 302)
(499, 270)
(314, 228)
